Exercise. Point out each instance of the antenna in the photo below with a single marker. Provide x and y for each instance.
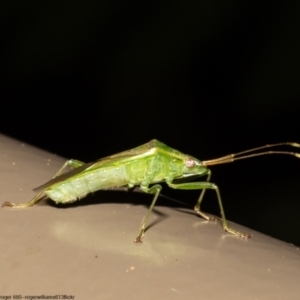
(240, 155)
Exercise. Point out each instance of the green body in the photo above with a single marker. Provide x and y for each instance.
(145, 166)
(150, 163)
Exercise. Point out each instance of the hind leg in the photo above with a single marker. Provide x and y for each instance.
(70, 163)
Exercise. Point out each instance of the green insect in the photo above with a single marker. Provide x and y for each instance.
(143, 166)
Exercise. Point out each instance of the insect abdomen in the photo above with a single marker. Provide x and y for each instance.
(76, 188)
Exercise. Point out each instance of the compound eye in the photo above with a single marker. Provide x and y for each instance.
(189, 162)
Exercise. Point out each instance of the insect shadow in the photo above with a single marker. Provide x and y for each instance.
(133, 196)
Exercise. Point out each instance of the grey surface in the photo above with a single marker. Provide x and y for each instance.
(87, 251)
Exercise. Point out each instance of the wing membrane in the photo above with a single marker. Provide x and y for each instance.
(106, 162)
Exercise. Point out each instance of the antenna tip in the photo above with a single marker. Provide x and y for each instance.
(295, 145)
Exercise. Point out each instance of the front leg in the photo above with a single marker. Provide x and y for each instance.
(197, 206)
(204, 186)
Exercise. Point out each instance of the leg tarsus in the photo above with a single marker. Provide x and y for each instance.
(139, 238)
(205, 216)
(37, 198)
(237, 233)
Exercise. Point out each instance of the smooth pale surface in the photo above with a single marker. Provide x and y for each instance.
(86, 250)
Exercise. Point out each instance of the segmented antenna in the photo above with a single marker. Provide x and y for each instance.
(240, 155)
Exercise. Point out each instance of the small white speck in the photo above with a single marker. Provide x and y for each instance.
(13, 163)
(21, 189)
(22, 145)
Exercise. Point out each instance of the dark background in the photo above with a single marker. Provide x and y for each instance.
(85, 79)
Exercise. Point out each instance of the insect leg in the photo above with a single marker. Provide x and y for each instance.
(204, 186)
(70, 163)
(155, 189)
(197, 206)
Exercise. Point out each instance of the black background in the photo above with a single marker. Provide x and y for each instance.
(85, 79)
